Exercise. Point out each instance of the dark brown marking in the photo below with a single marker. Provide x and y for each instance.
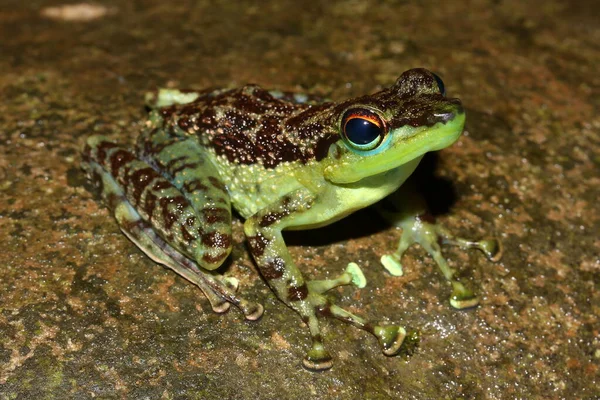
(216, 240)
(166, 112)
(309, 114)
(185, 166)
(214, 259)
(133, 227)
(118, 159)
(238, 120)
(426, 217)
(213, 215)
(206, 120)
(297, 293)
(217, 184)
(187, 236)
(161, 184)
(285, 201)
(140, 179)
(323, 144)
(257, 244)
(146, 147)
(171, 216)
(369, 328)
(249, 104)
(184, 123)
(273, 269)
(174, 161)
(113, 200)
(86, 154)
(325, 310)
(102, 149)
(238, 150)
(271, 218)
(252, 128)
(193, 185)
(425, 111)
(149, 205)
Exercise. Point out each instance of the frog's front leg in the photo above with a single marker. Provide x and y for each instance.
(406, 209)
(268, 248)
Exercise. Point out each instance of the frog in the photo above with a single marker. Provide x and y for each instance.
(282, 161)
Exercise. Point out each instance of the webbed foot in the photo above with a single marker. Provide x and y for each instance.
(423, 230)
(316, 304)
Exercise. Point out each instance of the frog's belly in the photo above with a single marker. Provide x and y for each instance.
(339, 201)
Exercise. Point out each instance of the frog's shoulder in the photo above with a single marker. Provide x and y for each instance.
(251, 125)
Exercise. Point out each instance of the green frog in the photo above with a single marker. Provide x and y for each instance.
(282, 161)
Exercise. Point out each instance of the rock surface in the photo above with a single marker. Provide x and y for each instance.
(85, 314)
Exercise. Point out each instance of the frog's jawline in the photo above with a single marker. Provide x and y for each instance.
(351, 197)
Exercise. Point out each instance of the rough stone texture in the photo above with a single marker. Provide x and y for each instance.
(84, 314)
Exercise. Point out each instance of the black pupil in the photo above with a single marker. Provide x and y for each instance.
(361, 131)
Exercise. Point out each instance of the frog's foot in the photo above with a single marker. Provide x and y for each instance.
(219, 291)
(353, 275)
(390, 337)
(424, 231)
(315, 303)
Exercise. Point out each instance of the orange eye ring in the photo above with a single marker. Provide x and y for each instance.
(363, 129)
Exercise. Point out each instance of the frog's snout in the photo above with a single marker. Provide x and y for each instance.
(449, 114)
(458, 107)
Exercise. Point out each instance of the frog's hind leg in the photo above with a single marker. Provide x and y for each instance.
(263, 231)
(405, 209)
(160, 252)
(148, 209)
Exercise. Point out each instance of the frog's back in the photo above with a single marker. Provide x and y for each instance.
(255, 138)
(250, 125)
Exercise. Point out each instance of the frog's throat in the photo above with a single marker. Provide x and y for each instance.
(410, 144)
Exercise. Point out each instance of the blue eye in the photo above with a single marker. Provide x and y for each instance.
(363, 129)
(440, 84)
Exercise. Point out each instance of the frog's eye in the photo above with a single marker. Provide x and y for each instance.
(440, 84)
(363, 129)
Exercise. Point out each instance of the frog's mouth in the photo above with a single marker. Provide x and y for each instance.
(408, 143)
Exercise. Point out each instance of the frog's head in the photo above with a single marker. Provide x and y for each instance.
(391, 128)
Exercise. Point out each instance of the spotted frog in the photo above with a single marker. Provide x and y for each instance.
(282, 161)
